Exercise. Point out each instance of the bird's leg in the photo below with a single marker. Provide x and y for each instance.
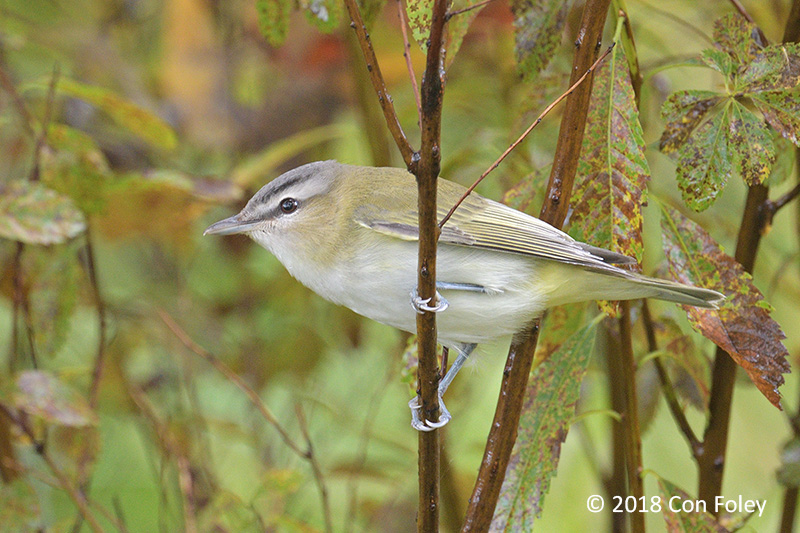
(417, 422)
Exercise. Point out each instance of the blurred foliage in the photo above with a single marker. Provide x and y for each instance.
(126, 127)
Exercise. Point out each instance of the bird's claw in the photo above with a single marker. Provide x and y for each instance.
(420, 305)
(418, 423)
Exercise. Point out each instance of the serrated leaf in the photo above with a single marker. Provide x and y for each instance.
(139, 121)
(324, 14)
(552, 393)
(684, 111)
(420, 18)
(751, 146)
(737, 37)
(782, 110)
(520, 195)
(558, 325)
(679, 521)
(273, 20)
(43, 395)
(538, 27)
(33, 214)
(613, 171)
(720, 61)
(742, 325)
(777, 67)
(704, 164)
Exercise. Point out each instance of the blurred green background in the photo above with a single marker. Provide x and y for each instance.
(177, 443)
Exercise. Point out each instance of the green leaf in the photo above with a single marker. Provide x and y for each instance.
(782, 110)
(33, 214)
(613, 171)
(324, 14)
(704, 164)
(420, 18)
(53, 294)
(370, 9)
(699, 521)
(21, 510)
(777, 67)
(538, 27)
(720, 61)
(752, 150)
(737, 37)
(273, 20)
(684, 111)
(139, 121)
(75, 166)
(742, 326)
(552, 393)
(43, 395)
(784, 162)
(520, 195)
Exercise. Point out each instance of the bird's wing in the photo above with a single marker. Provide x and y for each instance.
(483, 223)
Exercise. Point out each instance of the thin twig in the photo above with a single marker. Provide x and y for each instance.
(401, 13)
(19, 104)
(99, 361)
(223, 369)
(525, 134)
(24, 303)
(477, 5)
(357, 23)
(666, 384)
(771, 207)
(315, 468)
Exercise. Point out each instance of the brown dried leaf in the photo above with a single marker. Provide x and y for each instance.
(742, 325)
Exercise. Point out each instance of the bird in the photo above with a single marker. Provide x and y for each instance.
(350, 234)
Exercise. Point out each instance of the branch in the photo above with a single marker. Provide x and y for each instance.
(357, 23)
(427, 172)
(630, 417)
(503, 432)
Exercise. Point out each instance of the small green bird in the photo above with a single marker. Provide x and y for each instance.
(349, 233)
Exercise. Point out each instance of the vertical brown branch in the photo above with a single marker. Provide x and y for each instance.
(630, 417)
(503, 432)
(427, 172)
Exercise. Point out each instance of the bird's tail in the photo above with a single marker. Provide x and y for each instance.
(678, 292)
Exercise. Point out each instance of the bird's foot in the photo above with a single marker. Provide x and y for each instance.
(420, 305)
(418, 423)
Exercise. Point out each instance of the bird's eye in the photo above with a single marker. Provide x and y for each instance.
(288, 205)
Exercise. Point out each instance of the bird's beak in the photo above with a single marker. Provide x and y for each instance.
(230, 226)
